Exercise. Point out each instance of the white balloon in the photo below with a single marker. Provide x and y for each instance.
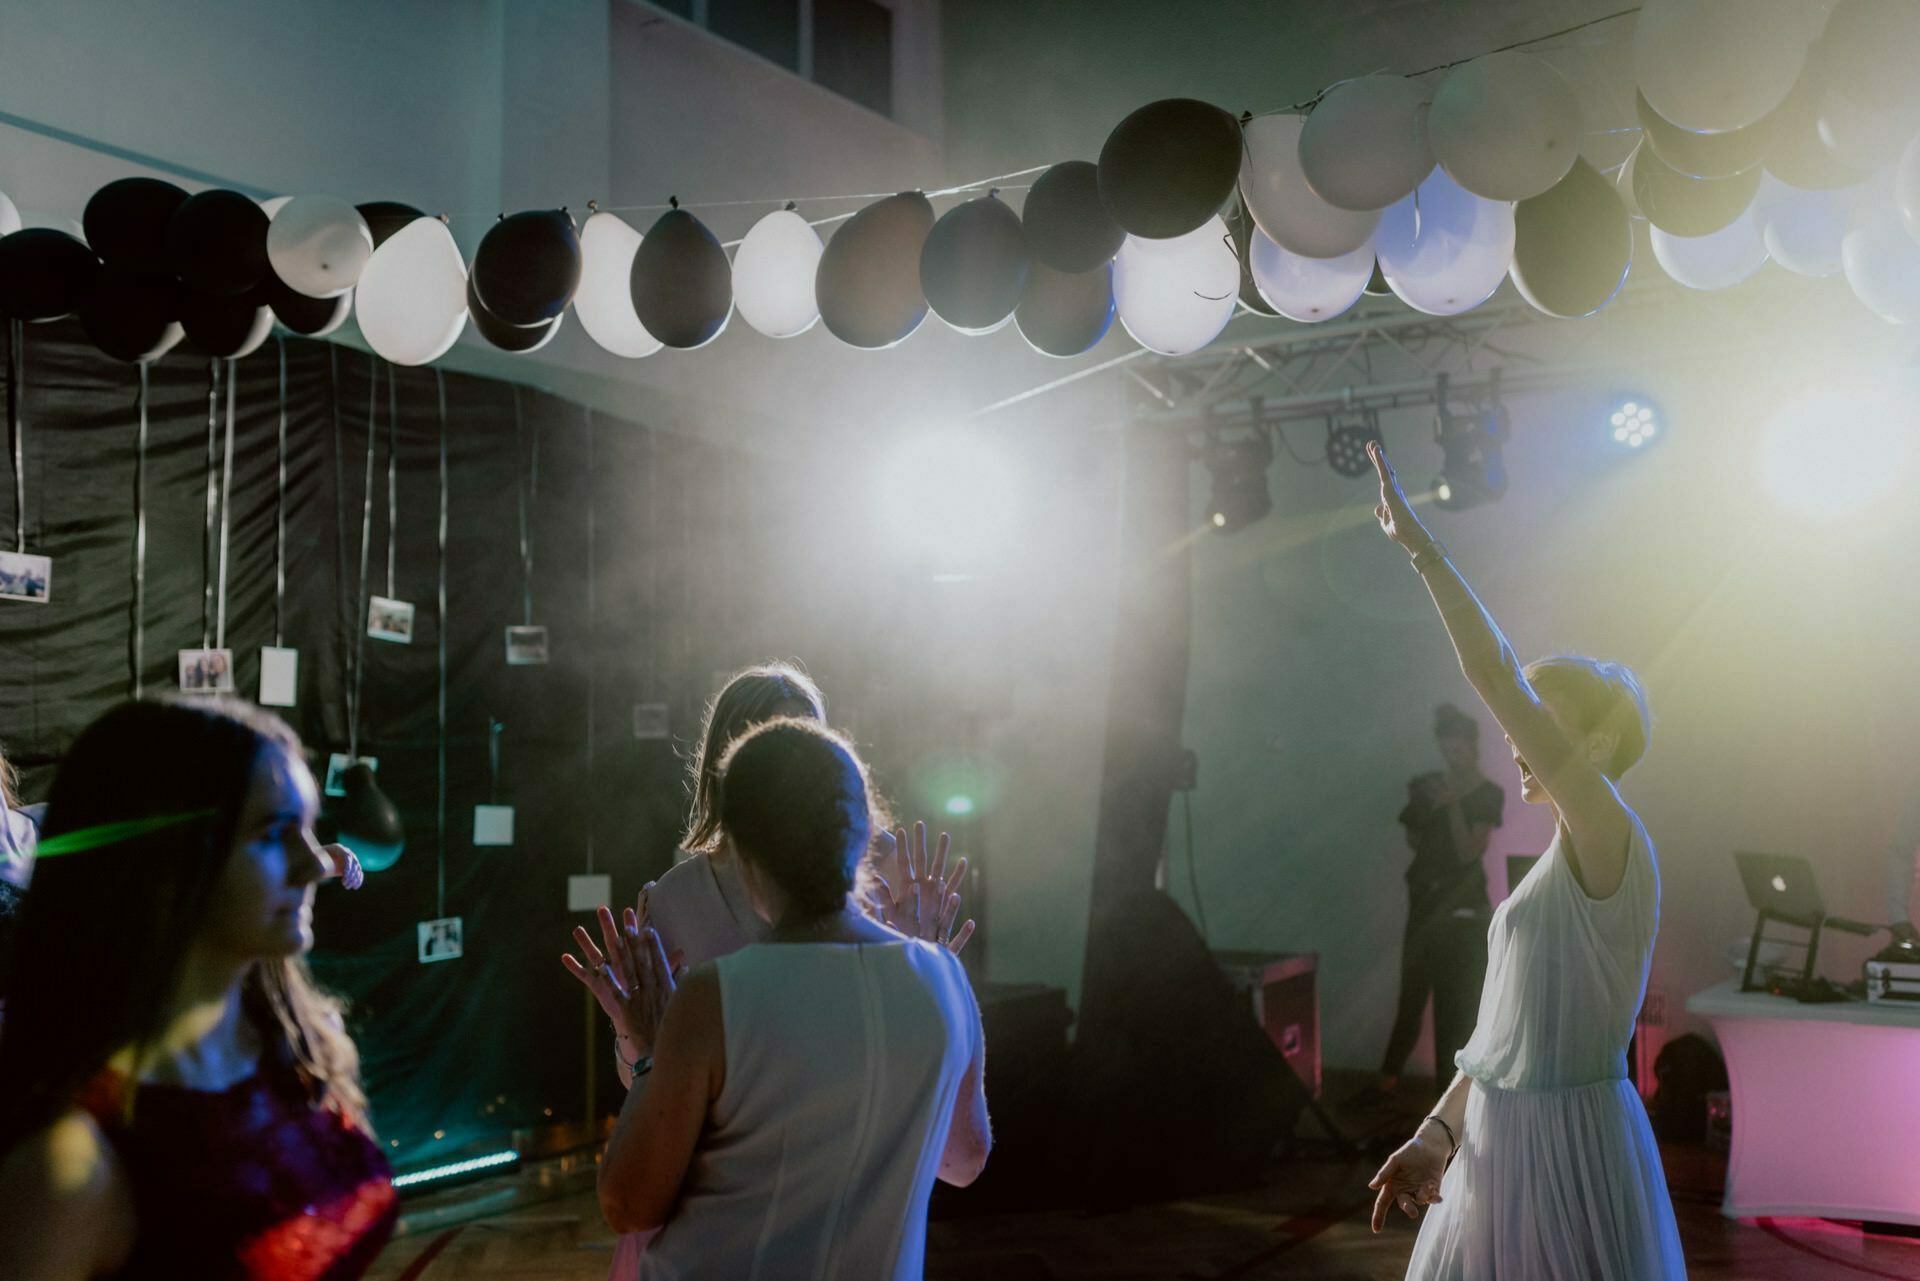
(318, 245)
(1443, 249)
(1623, 181)
(773, 275)
(1363, 147)
(1862, 136)
(1308, 289)
(1714, 65)
(1175, 296)
(1505, 126)
(1282, 204)
(1802, 229)
(1716, 261)
(1906, 186)
(604, 301)
(1882, 263)
(9, 216)
(412, 296)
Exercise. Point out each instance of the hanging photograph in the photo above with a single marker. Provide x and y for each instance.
(650, 720)
(526, 646)
(493, 825)
(440, 940)
(589, 893)
(26, 577)
(206, 671)
(279, 676)
(390, 620)
(337, 767)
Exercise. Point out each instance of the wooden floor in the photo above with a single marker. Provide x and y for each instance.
(1310, 1221)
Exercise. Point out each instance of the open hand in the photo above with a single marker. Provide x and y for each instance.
(917, 894)
(630, 976)
(1410, 1180)
(1394, 512)
(345, 864)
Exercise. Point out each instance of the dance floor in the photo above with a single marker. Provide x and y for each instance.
(1308, 1221)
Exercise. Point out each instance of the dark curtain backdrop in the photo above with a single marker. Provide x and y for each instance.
(686, 578)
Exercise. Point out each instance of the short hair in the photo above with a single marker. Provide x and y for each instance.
(1450, 722)
(793, 801)
(1604, 697)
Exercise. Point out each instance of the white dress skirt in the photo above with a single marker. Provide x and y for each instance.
(1558, 1177)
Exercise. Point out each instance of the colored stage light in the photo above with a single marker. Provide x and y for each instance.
(1635, 423)
(436, 1174)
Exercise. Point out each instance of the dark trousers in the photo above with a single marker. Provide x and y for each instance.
(1443, 956)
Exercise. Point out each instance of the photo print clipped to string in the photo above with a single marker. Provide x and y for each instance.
(209, 668)
(388, 617)
(441, 940)
(526, 641)
(589, 893)
(279, 665)
(493, 822)
(23, 575)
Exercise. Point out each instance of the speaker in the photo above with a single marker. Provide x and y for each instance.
(1282, 990)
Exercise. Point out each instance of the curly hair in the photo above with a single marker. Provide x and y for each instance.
(793, 801)
(1604, 697)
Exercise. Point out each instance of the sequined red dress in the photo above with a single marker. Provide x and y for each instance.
(249, 1183)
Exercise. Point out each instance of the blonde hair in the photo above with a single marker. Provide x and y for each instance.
(9, 781)
(1603, 698)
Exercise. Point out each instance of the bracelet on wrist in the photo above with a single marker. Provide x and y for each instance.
(1432, 553)
(1453, 1143)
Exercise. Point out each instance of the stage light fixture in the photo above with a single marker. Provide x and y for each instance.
(1472, 468)
(1239, 469)
(455, 1169)
(1635, 423)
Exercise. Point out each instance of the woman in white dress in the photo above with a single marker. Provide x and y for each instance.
(1538, 1162)
(795, 1100)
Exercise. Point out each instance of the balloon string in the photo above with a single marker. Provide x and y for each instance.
(280, 509)
(213, 490)
(1310, 103)
(366, 543)
(137, 657)
(526, 534)
(393, 476)
(593, 630)
(226, 509)
(17, 428)
(440, 819)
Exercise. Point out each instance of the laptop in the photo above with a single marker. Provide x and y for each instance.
(1781, 885)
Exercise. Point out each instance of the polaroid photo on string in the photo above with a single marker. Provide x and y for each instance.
(279, 676)
(24, 576)
(526, 646)
(206, 671)
(337, 763)
(589, 893)
(390, 620)
(441, 940)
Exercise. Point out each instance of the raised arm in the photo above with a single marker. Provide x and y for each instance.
(1589, 805)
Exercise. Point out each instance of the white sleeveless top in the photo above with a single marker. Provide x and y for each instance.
(843, 1062)
(1565, 975)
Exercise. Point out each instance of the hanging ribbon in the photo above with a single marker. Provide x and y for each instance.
(226, 512)
(529, 487)
(17, 428)
(393, 475)
(440, 850)
(593, 635)
(366, 544)
(137, 655)
(213, 487)
(280, 511)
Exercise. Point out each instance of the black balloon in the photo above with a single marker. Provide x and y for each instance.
(1240, 224)
(217, 243)
(132, 316)
(1169, 166)
(1067, 224)
(126, 223)
(301, 313)
(44, 274)
(1572, 244)
(222, 326)
(384, 217)
(1701, 155)
(1065, 313)
(501, 334)
(1684, 206)
(528, 266)
(1795, 153)
(974, 263)
(682, 282)
(868, 281)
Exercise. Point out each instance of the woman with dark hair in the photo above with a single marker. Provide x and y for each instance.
(1539, 1161)
(177, 1098)
(794, 1100)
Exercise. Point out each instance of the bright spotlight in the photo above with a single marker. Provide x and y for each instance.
(1832, 454)
(1635, 422)
(959, 806)
(950, 502)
